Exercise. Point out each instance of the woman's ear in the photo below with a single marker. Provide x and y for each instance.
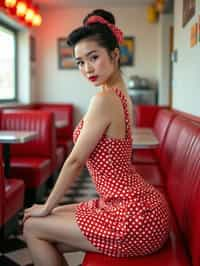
(116, 55)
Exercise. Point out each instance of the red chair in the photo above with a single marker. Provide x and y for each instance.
(34, 161)
(11, 202)
(62, 112)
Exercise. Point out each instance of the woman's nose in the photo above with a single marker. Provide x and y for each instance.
(88, 68)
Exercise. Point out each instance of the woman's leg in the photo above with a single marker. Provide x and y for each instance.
(46, 235)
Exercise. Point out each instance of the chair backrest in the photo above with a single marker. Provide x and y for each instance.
(161, 124)
(167, 151)
(145, 115)
(183, 184)
(40, 122)
(2, 185)
(62, 112)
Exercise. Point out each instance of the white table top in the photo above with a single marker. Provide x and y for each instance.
(7, 136)
(60, 123)
(144, 138)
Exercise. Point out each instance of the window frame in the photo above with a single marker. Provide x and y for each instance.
(14, 31)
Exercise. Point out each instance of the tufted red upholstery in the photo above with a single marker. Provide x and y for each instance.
(184, 178)
(2, 195)
(145, 114)
(62, 112)
(179, 171)
(167, 151)
(33, 161)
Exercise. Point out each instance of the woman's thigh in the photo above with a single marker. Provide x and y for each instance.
(59, 229)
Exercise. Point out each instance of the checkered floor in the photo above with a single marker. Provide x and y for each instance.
(16, 250)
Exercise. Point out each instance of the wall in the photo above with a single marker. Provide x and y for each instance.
(68, 85)
(186, 83)
(165, 22)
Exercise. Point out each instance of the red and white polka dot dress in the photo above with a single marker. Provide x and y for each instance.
(131, 217)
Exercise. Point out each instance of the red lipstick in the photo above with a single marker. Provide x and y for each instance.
(93, 78)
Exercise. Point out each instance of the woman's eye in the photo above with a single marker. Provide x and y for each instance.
(94, 57)
(79, 63)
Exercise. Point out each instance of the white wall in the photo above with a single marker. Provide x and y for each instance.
(165, 22)
(186, 83)
(68, 85)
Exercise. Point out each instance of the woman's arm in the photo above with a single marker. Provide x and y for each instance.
(70, 170)
(96, 121)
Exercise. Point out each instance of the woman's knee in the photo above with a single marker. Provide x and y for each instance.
(28, 227)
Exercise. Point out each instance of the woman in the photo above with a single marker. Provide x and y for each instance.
(130, 218)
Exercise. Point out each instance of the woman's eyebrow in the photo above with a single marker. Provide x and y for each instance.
(88, 54)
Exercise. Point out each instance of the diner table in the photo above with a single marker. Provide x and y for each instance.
(8, 137)
(60, 123)
(144, 138)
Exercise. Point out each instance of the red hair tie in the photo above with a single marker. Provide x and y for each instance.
(116, 31)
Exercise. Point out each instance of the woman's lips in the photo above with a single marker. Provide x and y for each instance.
(93, 78)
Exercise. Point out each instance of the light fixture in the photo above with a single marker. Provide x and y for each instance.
(37, 20)
(29, 15)
(10, 3)
(21, 8)
(152, 15)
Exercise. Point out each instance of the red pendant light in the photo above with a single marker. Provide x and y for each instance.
(29, 15)
(37, 20)
(10, 3)
(21, 8)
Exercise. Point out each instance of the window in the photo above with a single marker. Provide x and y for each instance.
(8, 90)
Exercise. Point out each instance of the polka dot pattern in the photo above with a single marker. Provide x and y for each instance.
(130, 218)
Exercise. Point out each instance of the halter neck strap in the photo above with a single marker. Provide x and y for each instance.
(124, 102)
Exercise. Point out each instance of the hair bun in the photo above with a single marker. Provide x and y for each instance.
(102, 13)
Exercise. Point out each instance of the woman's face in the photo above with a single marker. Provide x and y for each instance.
(94, 62)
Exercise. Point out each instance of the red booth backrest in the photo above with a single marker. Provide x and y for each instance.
(2, 198)
(61, 112)
(183, 185)
(161, 125)
(167, 151)
(41, 122)
(145, 115)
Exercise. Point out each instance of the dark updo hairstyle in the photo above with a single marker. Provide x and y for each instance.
(98, 32)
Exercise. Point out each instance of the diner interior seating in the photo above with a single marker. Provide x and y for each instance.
(173, 168)
(63, 112)
(35, 161)
(11, 202)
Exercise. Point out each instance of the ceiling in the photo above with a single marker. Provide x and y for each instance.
(90, 3)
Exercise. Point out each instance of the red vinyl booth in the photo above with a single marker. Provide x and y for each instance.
(62, 112)
(34, 161)
(11, 201)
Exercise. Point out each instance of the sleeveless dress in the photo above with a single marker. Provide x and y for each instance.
(130, 217)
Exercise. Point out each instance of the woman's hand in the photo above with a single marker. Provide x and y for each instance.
(35, 211)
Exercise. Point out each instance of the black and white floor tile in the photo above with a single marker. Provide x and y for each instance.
(17, 254)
